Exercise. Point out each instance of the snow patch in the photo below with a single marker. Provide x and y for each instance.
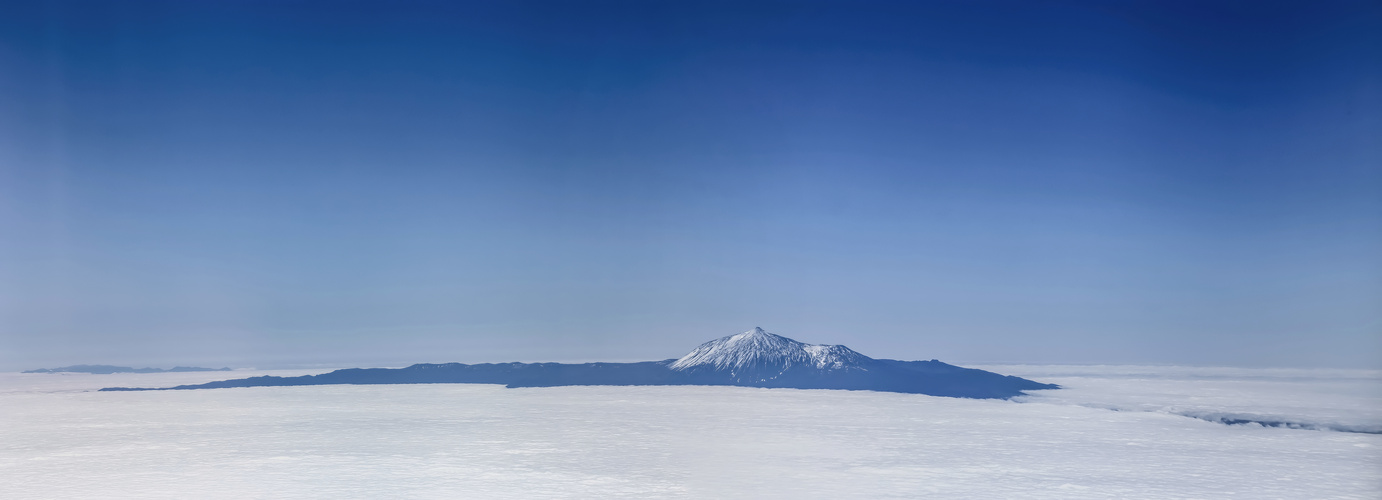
(758, 348)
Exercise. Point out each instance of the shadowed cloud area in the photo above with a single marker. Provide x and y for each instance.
(108, 369)
(378, 184)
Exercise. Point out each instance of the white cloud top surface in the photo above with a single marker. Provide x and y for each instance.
(484, 441)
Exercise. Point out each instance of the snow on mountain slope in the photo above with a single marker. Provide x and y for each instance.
(758, 349)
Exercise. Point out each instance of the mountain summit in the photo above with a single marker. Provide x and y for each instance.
(762, 355)
(754, 358)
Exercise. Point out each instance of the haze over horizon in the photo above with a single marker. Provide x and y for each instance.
(292, 183)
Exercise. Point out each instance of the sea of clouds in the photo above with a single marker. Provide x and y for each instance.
(1322, 399)
(1112, 432)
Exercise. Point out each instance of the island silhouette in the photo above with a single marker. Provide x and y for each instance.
(754, 358)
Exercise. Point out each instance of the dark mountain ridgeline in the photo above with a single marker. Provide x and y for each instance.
(750, 359)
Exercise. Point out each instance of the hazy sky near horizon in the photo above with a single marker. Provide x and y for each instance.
(276, 183)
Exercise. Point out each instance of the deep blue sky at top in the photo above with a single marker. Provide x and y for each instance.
(392, 182)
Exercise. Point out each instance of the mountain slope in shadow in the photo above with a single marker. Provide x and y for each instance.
(754, 358)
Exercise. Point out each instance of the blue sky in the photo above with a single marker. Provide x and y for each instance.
(280, 183)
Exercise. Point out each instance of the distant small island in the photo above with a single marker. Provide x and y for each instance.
(751, 359)
(108, 369)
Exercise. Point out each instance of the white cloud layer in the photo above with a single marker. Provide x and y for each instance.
(1344, 400)
(484, 441)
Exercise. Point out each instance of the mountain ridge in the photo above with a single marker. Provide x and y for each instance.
(754, 358)
(758, 346)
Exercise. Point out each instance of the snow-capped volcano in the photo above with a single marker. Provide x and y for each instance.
(758, 349)
(751, 359)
